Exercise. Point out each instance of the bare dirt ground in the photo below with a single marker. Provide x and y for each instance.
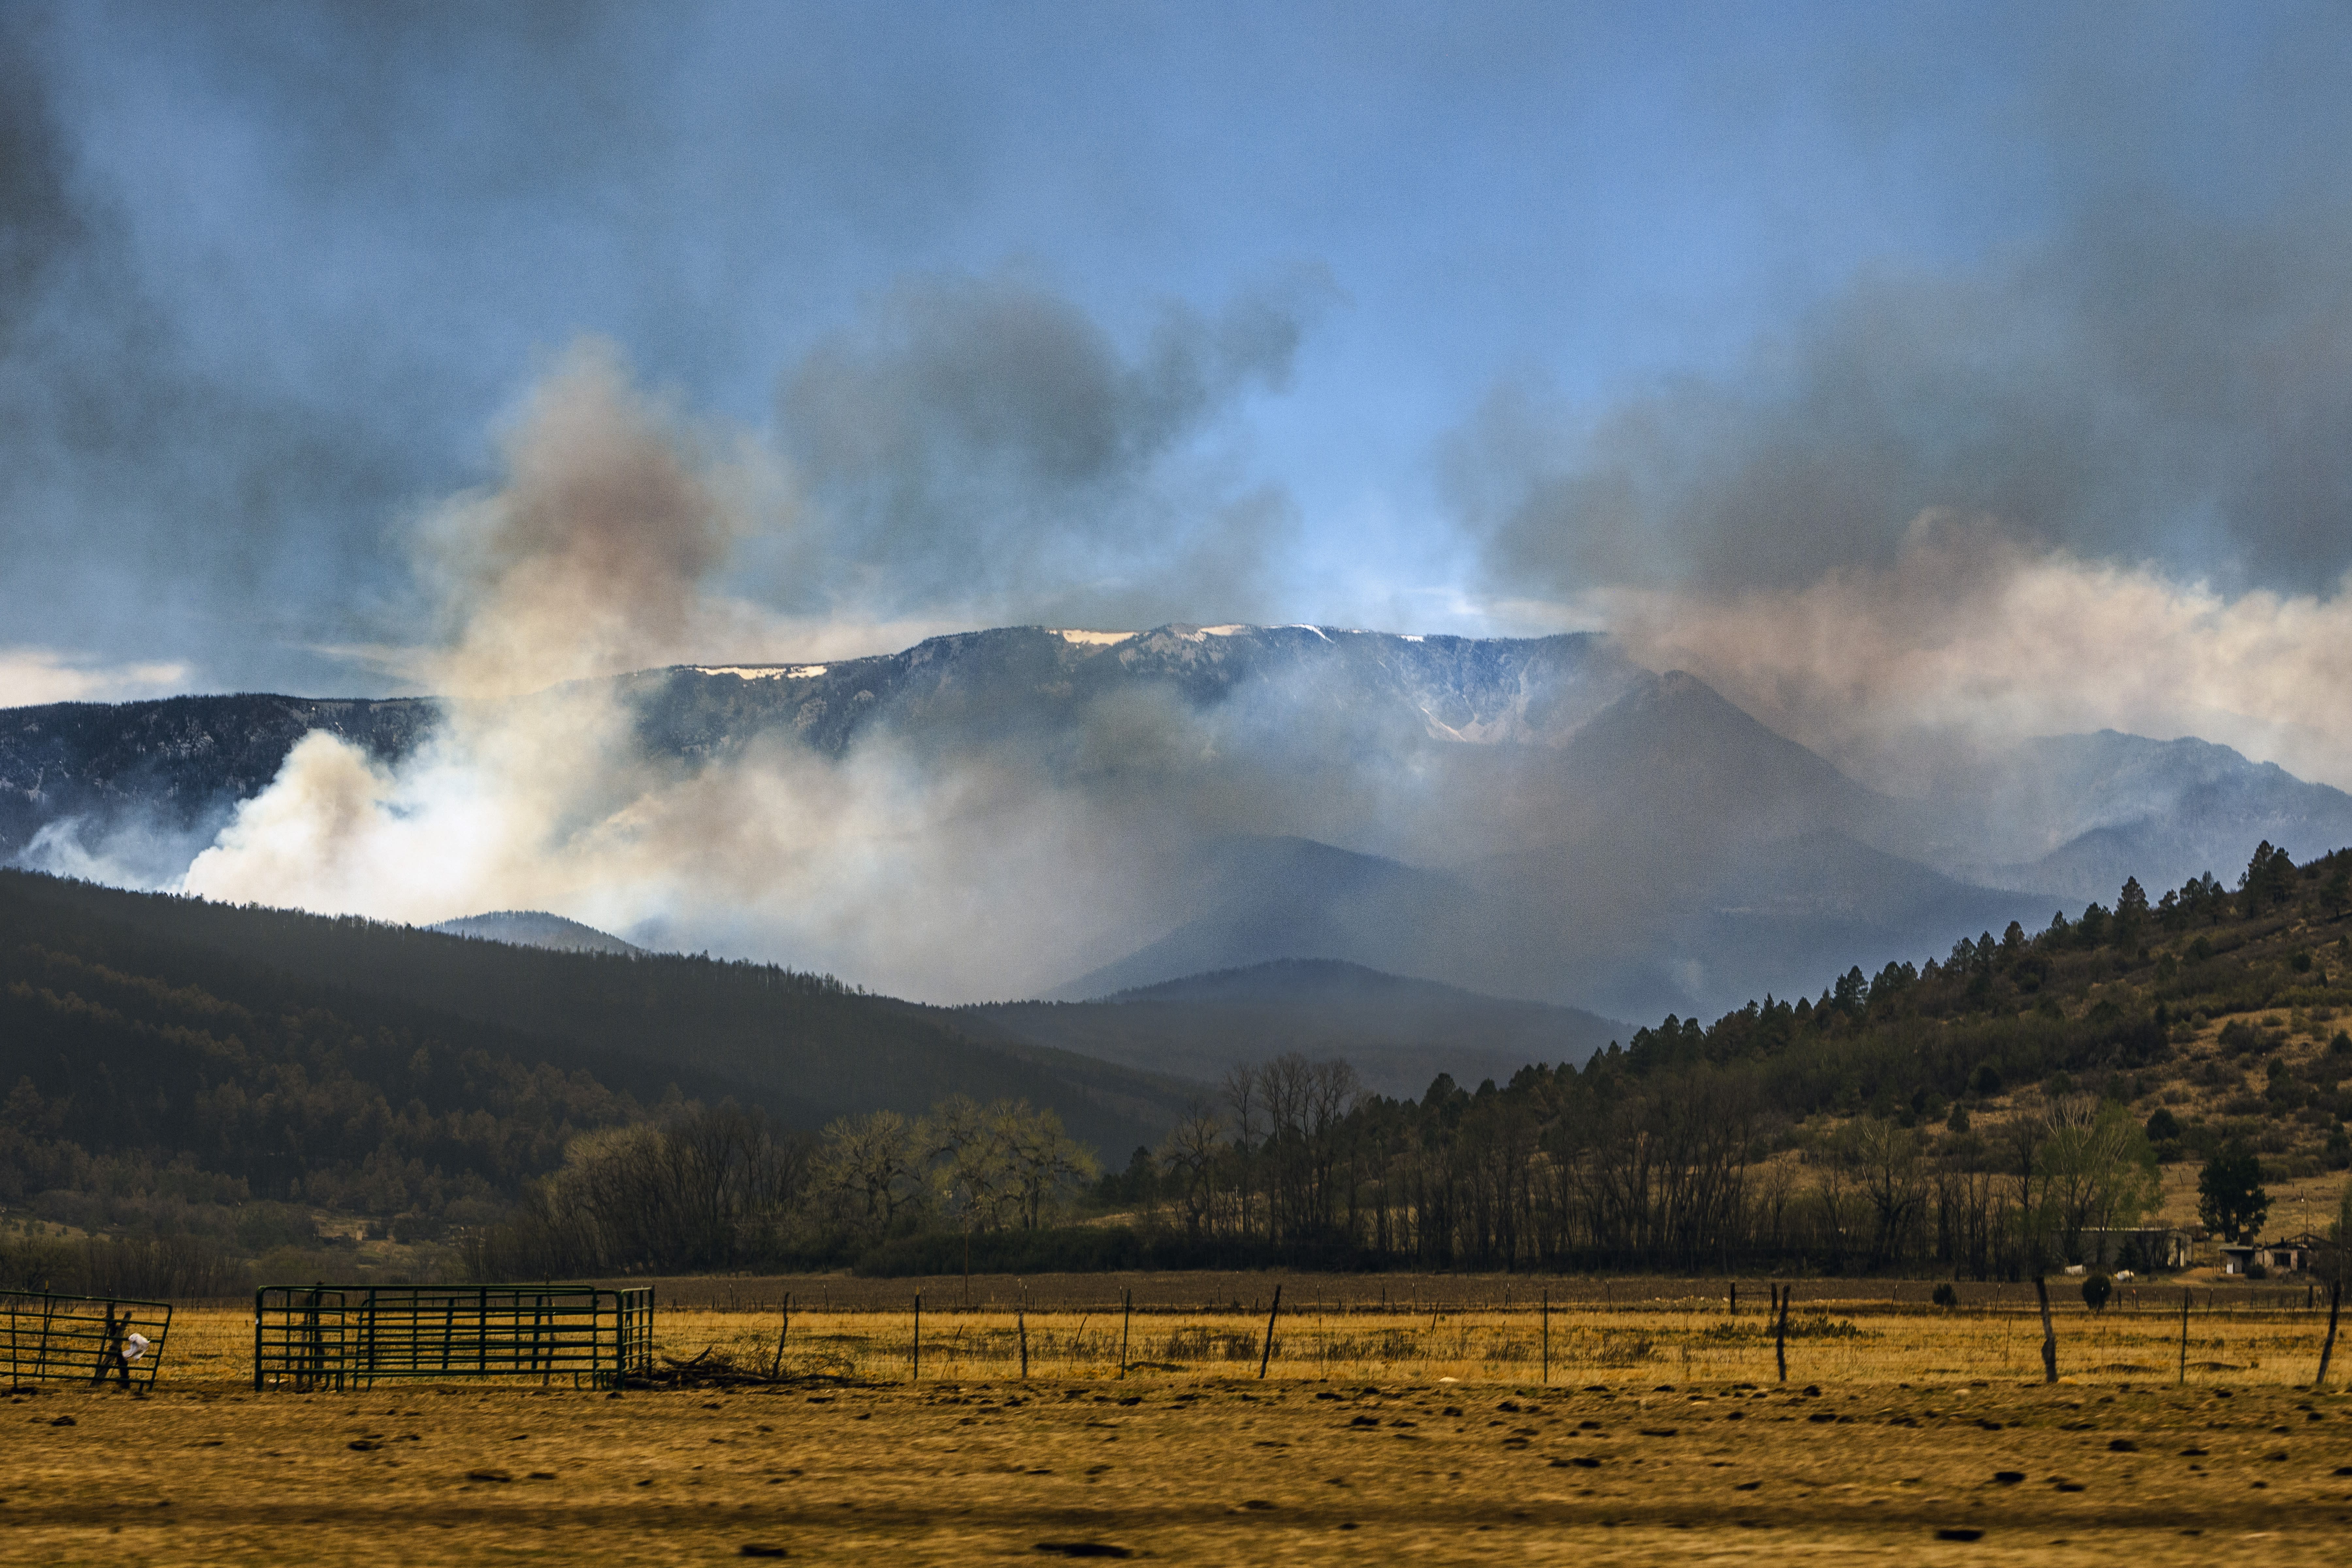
(1197, 1471)
(1423, 1431)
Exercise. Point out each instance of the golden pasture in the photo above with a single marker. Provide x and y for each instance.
(1663, 1432)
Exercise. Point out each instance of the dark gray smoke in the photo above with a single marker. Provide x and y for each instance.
(218, 456)
(2095, 474)
(973, 441)
(38, 224)
(2150, 385)
(226, 513)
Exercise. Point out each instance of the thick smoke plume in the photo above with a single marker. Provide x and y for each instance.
(984, 447)
(2102, 481)
(596, 554)
(973, 441)
(1970, 640)
(592, 558)
(2150, 384)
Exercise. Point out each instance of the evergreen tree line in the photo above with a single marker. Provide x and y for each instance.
(1681, 1168)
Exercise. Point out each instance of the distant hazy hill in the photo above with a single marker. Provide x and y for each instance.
(1400, 1033)
(2077, 813)
(537, 928)
(1669, 852)
(1251, 900)
(1791, 912)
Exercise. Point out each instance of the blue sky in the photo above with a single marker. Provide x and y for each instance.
(1433, 318)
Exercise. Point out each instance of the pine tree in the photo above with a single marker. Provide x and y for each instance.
(2268, 882)
(2131, 912)
(2229, 1196)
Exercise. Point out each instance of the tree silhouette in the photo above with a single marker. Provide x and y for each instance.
(2131, 912)
(2268, 882)
(2229, 1196)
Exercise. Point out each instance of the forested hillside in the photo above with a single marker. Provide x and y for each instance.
(167, 1060)
(1992, 1111)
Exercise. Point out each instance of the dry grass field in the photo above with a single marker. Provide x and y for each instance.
(1423, 1430)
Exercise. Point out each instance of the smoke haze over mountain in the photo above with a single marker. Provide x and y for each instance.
(1923, 381)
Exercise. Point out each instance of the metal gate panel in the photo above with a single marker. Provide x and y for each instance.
(53, 1338)
(336, 1336)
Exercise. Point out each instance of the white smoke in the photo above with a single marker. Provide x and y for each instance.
(37, 675)
(1971, 641)
(933, 883)
(595, 556)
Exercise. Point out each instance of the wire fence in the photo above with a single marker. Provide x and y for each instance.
(1407, 1295)
(1325, 1327)
(1761, 1334)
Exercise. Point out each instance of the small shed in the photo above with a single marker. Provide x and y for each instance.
(2293, 1255)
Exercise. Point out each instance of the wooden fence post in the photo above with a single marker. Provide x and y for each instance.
(2183, 1380)
(776, 1370)
(2049, 1331)
(2327, 1346)
(917, 1375)
(1020, 1326)
(1547, 1336)
(1126, 1317)
(1780, 1328)
(109, 1342)
(1267, 1353)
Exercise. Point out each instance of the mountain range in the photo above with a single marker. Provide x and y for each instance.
(1537, 819)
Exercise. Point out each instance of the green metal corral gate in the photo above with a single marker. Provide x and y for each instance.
(83, 1339)
(349, 1336)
